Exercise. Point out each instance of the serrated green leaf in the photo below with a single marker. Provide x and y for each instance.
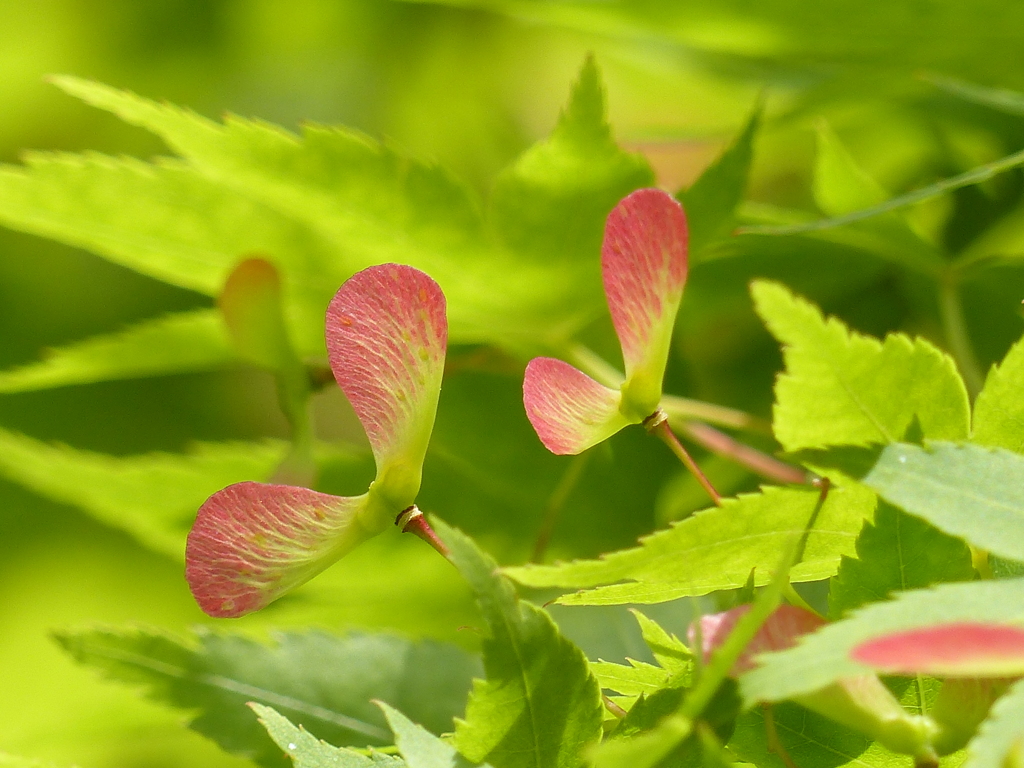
(307, 751)
(639, 677)
(325, 682)
(1000, 739)
(419, 747)
(965, 490)
(152, 496)
(842, 388)
(540, 707)
(669, 651)
(716, 549)
(711, 201)
(180, 343)
(824, 656)
(896, 553)
(999, 409)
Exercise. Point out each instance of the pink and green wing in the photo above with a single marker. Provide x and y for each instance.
(386, 337)
(569, 410)
(781, 630)
(644, 267)
(252, 542)
(950, 650)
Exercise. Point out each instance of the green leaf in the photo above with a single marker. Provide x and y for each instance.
(331, 202)
(824, 657)
(999, 409)
(419, 747)
(552, 202)
(965, 490)
(896, 553)
(711, 201)
(540, 706)
(842, 388)
(669, 651)
(16, 761)
(810, 739)
(1000, 740)
(840, 185)
(716, 549)
(1004, 100)
(153, 496)
(306, 751)
(180, 343)
(639, 677)
(324, 682)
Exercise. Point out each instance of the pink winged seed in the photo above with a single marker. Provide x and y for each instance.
(569, 410)
(252, 542)
(780, 631)
(386, 338)
(950, 650)
(644, 266)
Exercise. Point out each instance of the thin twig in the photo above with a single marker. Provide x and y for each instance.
(766, 466)
(657, 425)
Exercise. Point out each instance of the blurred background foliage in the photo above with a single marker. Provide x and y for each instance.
(471, 86)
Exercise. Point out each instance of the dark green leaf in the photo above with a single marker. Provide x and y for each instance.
(1000, 740)
(896, 553)
(540, 707)
(321, 681)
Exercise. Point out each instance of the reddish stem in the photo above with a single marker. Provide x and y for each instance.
(767, 466)
(657, 425)
(411, 520)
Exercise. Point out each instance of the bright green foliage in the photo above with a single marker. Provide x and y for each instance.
(645, 750)
(306, 751)
(965, 490)
(632, 680)
(711, 202)
(180, 343)
(824, 657)
(552, 203)
(153, 496)
(717, 549)
(842, 388)
(14, 761)
(322, 681)
(840, 186)
(419, 747)
(670, 652)
(1000, 740)
(999, 409)
(896, 553)
(540, 706)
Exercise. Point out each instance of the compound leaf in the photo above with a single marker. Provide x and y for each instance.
(842, 388)
(716, 549)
